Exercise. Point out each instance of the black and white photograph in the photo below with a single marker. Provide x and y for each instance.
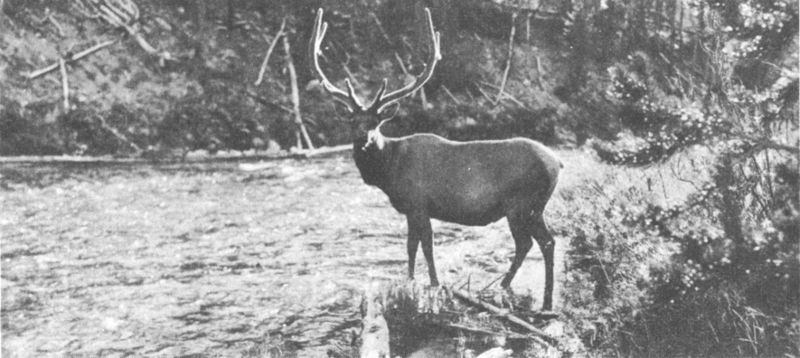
(399, 178)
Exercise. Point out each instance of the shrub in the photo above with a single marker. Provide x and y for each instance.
(216, 119)
(21, 134)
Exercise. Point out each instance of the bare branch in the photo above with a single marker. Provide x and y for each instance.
(263, 68)
(118, 135)
(71, 59)
(263, 101)
(295, 93)
(446, 90)
(59, 28)
(64, 83)
(508, 58)
(539, 72)
(505, 95)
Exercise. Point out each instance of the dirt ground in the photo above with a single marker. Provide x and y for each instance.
(210, 260)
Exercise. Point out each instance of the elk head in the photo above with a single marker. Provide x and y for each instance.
(367, 119)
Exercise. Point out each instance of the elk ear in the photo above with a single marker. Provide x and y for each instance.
(389, 112)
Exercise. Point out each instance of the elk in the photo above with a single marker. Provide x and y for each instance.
(429, 177)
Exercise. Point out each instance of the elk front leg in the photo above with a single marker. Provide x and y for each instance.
(411, 245)
(419, 230)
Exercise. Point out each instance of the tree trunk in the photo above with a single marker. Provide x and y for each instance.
(200, 10)
(231, 17)
(730, 205)
(298, 119)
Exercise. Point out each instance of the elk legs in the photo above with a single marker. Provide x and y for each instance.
(412, 244)
(547, 245)
(522, 228)
(419, 230)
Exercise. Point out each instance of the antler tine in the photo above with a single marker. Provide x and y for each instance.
(317, 35)
(380, 92)
(381, 101)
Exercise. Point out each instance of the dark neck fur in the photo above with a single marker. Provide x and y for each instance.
(372, 163)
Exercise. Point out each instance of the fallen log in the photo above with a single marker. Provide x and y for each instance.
(375, 330)
(110, 160)
(496, 352)
(538, 335)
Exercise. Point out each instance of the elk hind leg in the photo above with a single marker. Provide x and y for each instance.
(520, 230)
(547, 245)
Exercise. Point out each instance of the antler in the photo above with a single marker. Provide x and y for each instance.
(382, 101)
(347, 98)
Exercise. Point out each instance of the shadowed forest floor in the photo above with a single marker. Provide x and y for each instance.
(211, 260)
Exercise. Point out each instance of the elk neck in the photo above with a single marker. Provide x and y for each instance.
(373, 155)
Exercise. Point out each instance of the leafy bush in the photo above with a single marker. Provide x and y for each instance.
(610, 261)
(731, 284)
(218, 118)
(20, 134)
(645, 280)
(473, 122)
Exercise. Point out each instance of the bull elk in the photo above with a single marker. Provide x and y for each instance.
(426, 176)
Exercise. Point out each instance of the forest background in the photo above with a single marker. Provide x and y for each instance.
(637, 82)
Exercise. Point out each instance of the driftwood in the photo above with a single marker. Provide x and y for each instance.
(318, 152)
(303, 154)
(496, 352)
(118, 135)
(450, 94)
(509, 57)
(275, 39)
(486, 332)
(538, 335)
(265, 102)
(70, 59)
(219, 158)
(298, 119)
(505, 95)
(484, 94)
(374, 330)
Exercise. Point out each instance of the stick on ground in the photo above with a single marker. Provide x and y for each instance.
(538, 335)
